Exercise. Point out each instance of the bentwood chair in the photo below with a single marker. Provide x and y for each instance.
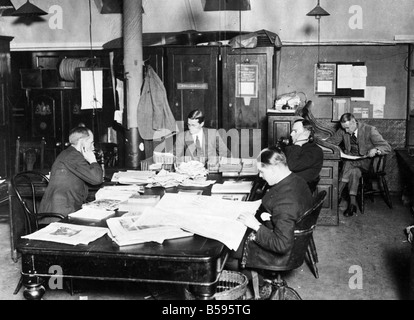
(26, 185)
(301, 250)
(375, 173)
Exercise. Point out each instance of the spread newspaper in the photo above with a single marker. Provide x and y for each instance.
(200, 215)
(67, 233)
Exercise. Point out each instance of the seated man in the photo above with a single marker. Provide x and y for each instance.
(361, 140)
(74, 169)
(285, 202)
(304, 156)
(197, 141)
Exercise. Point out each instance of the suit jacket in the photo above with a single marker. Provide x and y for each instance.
(286, 201)
(212, 144)
(368, 138)
(69, 179)
(306, 160)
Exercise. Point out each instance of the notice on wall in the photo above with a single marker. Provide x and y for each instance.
(91, 89)
(247, 82)
(376, 97)
(325, 78)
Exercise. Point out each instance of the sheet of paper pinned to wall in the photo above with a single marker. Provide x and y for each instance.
(344, 76)
(359, 77)
(91, 89)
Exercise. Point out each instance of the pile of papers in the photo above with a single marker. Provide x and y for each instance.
(67, 233)
(132, 177)
(232, 187)
(136, 204)
(103, 204)
(193, 169)
(92, 214)
(200, 215)
(121, 193)
(238, 166)
(128, 231)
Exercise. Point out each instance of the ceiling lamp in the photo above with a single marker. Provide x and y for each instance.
(29, 10)
(226, 5)
(6, 8)
(318, 12)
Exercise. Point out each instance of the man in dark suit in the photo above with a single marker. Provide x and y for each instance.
(362, 141)
(199, 142)
(72, 171)
(304, 156)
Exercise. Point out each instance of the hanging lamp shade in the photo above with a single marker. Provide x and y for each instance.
(226, 5)
(318, 12)
(29, 10)
(6, 8)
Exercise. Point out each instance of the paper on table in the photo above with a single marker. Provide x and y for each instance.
(93, 214)
(200, 215)
(349, 157)
(67, 233)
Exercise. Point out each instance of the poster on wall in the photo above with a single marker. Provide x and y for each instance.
(325, 78)
(247, 81)
(91, 88)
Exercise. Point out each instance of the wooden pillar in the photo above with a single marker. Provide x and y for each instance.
(133, 64)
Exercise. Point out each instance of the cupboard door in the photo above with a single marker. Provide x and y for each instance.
(192, 82)
(247, 94)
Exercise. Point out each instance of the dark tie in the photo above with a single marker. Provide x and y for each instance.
(198, 147)
(354, 139)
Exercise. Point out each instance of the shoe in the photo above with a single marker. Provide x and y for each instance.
(350, 210)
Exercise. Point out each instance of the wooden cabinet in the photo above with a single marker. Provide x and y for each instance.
(192, 82)
(280, 127)
(5, 154)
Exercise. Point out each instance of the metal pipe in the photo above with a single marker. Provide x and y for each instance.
(133, 65)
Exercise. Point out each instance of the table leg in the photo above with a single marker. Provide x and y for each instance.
(34, 289)
(203, 292)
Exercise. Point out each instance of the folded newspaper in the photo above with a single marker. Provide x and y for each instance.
(67, 233)
(128, 231)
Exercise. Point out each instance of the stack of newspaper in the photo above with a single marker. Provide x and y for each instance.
(67, 233)
(133, 177)
(128, 231)
(137, 203)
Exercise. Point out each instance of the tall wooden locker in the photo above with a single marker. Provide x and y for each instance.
(193, 82)
(5, 154)
(248, 91)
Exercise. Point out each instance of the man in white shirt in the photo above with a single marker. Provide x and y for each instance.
(199, 142)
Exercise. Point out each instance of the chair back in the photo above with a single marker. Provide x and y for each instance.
(303, 232)
(26, 185)
(28, 153)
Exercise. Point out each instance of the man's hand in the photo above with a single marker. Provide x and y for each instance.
(89, 155)
(249, 221)
(372, 153)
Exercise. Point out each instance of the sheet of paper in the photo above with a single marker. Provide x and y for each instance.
(198, 214)
(67, 233)
(345, 78)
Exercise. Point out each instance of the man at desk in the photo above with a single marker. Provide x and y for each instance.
(199, 141)
(304, 156)
(362, 141)
(72, 171)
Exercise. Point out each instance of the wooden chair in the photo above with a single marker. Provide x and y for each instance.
(301, 249)
(376, 172)
(28, 153)
(25, 185)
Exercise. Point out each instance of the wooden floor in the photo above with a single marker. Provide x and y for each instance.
(373, 243)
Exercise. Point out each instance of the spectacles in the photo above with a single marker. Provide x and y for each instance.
(193, 124)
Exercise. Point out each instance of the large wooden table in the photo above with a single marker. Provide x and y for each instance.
(195, 261)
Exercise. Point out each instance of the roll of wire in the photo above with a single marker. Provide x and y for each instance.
(68, 66)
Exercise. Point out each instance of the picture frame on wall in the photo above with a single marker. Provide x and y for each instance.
(325, 78)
